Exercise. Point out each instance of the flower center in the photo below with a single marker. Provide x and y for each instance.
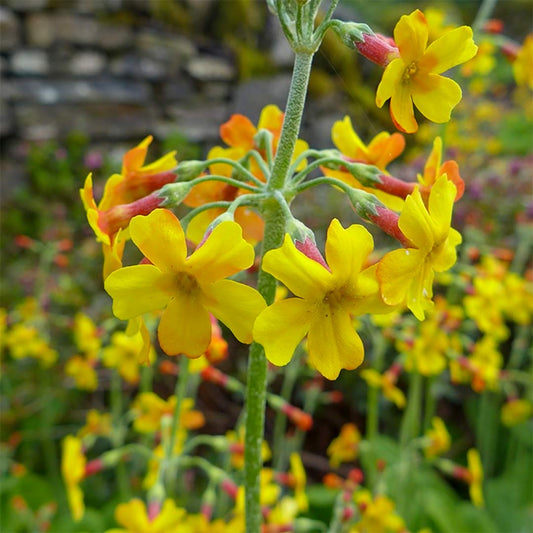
(186, 283)
(409, 72)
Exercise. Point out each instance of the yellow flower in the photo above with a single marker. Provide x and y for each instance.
(381, 150)
(187, 288)
(486, 362)
(26, 341)
(387, 383)
(299, 480)
(149, 409)
(96, 424)
(83, 372)
(523, 64)
(406, 275)
(134, 518)
(73, 471)
(345, 447)
(438, 439)
(415, 76)
(86, 335)
(123, 354)
(475, 477)
(327, 297)
(378, 514)
(515, 411)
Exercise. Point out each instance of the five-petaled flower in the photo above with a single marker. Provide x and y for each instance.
(187, 288)
(327, 297)
(415, 76)
(406, 275)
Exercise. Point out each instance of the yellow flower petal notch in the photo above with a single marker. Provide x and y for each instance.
(406, 275)
(186, 288)
(326, 299)
(415, 76)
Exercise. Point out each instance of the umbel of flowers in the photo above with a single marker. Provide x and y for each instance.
(195, 268)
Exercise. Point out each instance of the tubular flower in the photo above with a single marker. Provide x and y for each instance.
(73, 471)
(345, 447)
(378, 514)
(187, 288)
(407, 274)
(523, 64)
(125, 195)
(515, 411)
(135, 518)
(387, 383)
(475, 478)
(381, 150)
(433, 170)
(326, 299)
(415, 76)
(123, 354)
(438, 439)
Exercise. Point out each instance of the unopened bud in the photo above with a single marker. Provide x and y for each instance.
(174, 193)
(188, 170)
(351, 32)
(367, 175)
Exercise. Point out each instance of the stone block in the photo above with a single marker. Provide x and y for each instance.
(77, 91)
(25, 62)
(86, 63)
(97, 121)
(211, 68)
(9, 30)
(139, 67)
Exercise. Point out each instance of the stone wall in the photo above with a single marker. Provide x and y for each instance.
(108, 68)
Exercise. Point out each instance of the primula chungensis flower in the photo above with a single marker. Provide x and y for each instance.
(438, 439)
(345, 447)
(73, 463)
(406, 275)
(415, 76)
(434, 169)
(381, 150)
(187, 288)
(135, 518)
(326, 299)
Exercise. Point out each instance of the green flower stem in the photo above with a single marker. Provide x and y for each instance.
(205, 207)
(315, 164)
(292, 119)
(265, 169)
(180, 392)
(483, 14)
(488, 422)
(290, 375)
(410, 428)
(430, 402)
(275, 221)
(225, 179)
(378, 358)
(238, 167)
(117, 436)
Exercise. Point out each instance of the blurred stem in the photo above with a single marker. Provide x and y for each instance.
(410, 428)
(372, 417)
(487, 430)
(118, 431)
(430, 402)
(523, 249)
(279, 449)
(47, 425)
(483, 14)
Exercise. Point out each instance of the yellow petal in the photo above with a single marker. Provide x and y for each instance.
(271, 119)
(451, 49)
(435, 96)
(420, 290)
(185, 327)
(223, 254)
(333, 343)
(392, 76)
(401, 108)
(346, 139)
(137, 290)
(160, 238)
(300, 274)
(416, 223)
(395, 273)
(281, 327)
(411, 36)
(346, 251)
(236, 305)
(132, 515)
(440, 205)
